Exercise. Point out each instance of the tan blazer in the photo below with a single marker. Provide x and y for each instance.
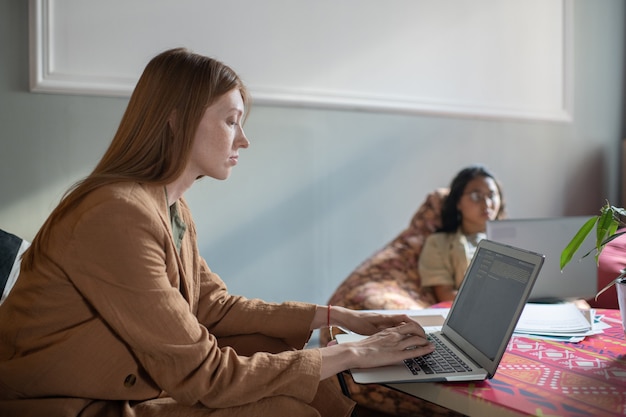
(112, 312)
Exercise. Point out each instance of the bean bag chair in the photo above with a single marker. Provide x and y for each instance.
(388, 280)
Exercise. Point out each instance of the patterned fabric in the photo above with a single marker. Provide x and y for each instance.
(390, 402)
(553, 378)
(389, 280)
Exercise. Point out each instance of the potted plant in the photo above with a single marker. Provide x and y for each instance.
(607, 225)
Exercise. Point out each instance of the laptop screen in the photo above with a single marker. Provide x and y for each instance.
(493, 289)
(549, 236)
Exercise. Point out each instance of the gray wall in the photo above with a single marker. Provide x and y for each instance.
(320, 190)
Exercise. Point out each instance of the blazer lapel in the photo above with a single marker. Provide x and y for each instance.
(178, 279)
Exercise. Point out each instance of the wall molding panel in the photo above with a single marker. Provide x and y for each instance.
(485, 58)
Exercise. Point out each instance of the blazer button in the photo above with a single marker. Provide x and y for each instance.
(130, 380)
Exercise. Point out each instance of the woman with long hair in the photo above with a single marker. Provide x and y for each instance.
(115, 313)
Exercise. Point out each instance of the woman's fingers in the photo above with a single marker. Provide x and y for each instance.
(390, 346)
(414, 351)
(411, 327)
(414, 342)
(401, 338)
(410, 342)
(396, 346)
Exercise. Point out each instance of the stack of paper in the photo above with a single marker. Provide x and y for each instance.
(558, 321)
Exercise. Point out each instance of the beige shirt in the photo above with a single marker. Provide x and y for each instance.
(445, 258)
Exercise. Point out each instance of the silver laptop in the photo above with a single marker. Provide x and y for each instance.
(479, 325)
(550, 236)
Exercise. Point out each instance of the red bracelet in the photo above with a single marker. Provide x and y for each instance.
(328, 316)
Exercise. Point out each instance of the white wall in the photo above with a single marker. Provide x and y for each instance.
(410, 56)
(319, 189)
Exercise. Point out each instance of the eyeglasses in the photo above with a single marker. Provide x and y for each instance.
(477, 196)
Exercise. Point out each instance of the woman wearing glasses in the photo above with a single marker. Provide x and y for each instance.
(475, 198)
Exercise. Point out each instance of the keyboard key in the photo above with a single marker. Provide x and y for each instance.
(441, 360)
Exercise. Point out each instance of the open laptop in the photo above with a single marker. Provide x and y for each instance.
(479, 325)
(550, 236)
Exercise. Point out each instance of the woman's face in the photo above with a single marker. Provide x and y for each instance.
(219, 137)
(479, 203)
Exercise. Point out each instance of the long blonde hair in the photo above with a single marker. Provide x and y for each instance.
(147, 148)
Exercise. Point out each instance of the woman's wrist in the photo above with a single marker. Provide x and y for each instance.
(324, 316)
(336, 316)
(338, 358)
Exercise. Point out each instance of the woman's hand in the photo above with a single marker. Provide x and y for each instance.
(366, 323)
(386, 347)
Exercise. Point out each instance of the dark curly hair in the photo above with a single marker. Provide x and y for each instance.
(450, 215)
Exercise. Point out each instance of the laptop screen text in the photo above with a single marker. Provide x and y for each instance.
(492, 296)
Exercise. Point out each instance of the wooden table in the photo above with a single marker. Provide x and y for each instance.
(544, 378)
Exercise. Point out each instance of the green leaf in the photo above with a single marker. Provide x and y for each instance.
(613, 236)
(603, 225)
(577, 240)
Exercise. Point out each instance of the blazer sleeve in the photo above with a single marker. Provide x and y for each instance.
(229, 315)
(120, 251)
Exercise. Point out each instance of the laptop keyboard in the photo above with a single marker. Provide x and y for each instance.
(441, 360)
